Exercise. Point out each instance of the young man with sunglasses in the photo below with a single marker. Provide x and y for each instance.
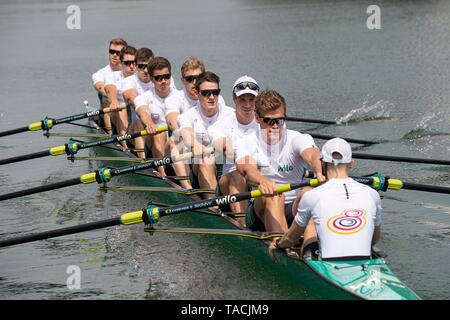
(226, 134)
(151, 105)
(345, 215)
(114, 89)
(194, 124)
(135, 85)
(274, 155)
(99, 77)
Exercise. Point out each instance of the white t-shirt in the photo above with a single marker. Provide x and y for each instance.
(194, 118)
(133, 82)
(345, 214)
(100, 76)
(280, 162)
(116, 78)
(157, 105)
(234, 131)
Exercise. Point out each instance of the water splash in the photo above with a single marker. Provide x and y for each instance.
(379, 111)
(424, 131)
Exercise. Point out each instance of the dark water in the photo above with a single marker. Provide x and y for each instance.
(319, 55)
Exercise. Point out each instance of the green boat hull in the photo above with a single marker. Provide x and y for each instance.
(300, 278)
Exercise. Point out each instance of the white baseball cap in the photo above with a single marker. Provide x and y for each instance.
(245, 84)
(337, 145)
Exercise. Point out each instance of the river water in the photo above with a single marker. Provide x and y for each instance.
(320, 55)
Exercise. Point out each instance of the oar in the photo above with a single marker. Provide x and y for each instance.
(151, 214)
(159, 189)
(379, 182)
(351, 140)
(103, 175)
(72, 147)
(224, 232)
(399, 159)
(295, 119)
(49, 123)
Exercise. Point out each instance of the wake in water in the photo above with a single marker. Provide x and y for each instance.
(424, 131)
(380, 111)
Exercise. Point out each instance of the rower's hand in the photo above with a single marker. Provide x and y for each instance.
(198, 149)
(114, 105)
(320, 177)
(273, 248)
(151, 128)
(268, 187)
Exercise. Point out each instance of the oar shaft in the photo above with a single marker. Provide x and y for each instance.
(424, 187)
(61, 232)
(295, 119)
(351, 140)
(29, 156)
(399, 159)
(53, 186)
(13, 131)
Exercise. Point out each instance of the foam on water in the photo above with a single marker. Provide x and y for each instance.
(379, 110)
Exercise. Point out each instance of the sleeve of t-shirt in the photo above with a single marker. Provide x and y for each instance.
(302, 141)
(98, 77)
(184, 121)
(109, 78)
(242, 148)
(173, 103)
(140, 101)
(304, 211)
(128, 83)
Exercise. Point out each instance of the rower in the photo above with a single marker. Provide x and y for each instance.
(226, 134)
(99, 77)
(344, 214)
(195, 122)
(135, 85)
(274, 155)
(151, 105)
(114, 89)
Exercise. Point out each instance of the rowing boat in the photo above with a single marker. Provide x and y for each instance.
(307, 277)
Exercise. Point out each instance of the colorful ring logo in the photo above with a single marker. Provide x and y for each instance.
(348, 221)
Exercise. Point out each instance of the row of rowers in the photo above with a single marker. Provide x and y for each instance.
(251, 142)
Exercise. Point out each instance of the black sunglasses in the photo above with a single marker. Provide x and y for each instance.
(246, 84)
(142, 65)
(114, 52)
(272, 121)
(162, 76)
(129, 62)
(209, 92)
(191, 79)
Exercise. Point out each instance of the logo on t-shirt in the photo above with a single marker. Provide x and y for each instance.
(348, 221)
(285, 168)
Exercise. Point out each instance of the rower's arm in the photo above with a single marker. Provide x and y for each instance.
(188, 137)
(146, 119)
(171, 120)
(111, 93)
(292, 236)
(100, 87)
(247, 167)
(312, 158)
(130, 95)
(225, 147)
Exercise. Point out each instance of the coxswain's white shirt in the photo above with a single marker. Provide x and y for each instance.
(234, 131)
(345, 213)
(280, 162)
(156, 105)
(194, 118)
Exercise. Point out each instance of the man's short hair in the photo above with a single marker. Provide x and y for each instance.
(118, 42)
(206, 76)
(158, 63)
(144, 54)
(192, 63)
(127, 50)
(268, 100)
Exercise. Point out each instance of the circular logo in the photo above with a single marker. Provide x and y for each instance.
(348, 221)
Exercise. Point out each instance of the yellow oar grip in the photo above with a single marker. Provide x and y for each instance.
(163, 128)
(281, 188)
(56, 151)
(314, 182)
(395, 184)
(132, 217)
(88, 178)
(35, 126)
